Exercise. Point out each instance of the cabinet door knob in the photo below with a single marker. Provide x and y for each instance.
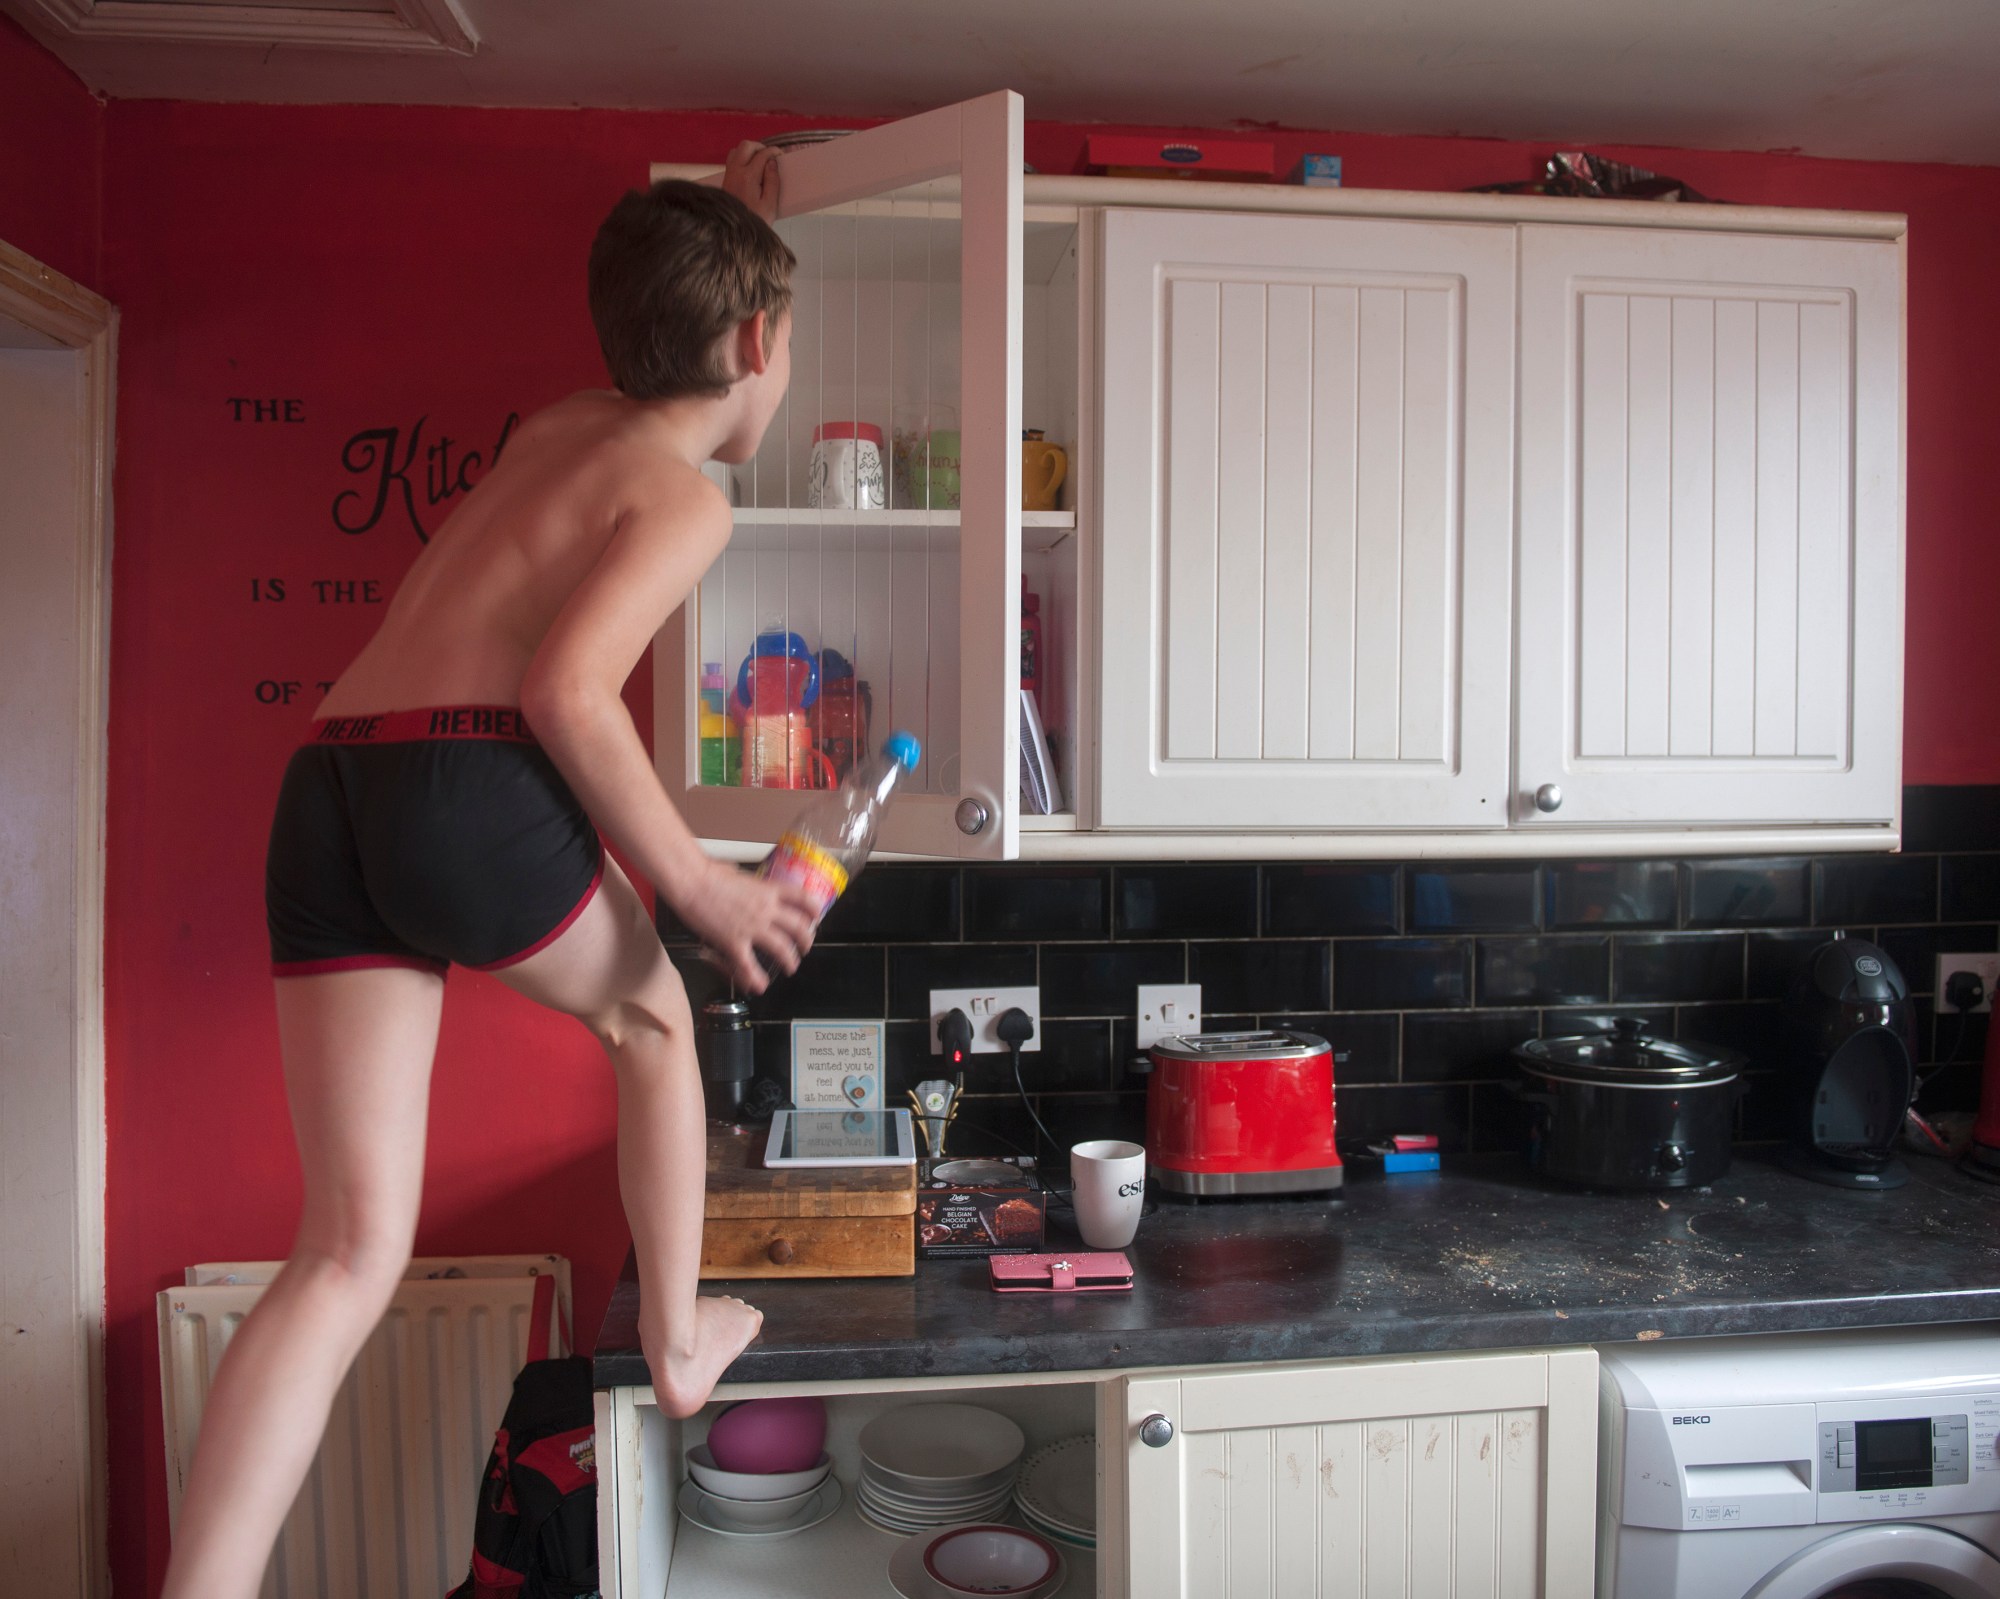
(1156, 1432)
(1548, 798)
(971, 816)
(781, 1251)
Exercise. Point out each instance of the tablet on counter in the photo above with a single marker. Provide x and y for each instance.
(841, 1138)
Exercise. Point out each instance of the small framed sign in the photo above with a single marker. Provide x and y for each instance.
(837, 1065)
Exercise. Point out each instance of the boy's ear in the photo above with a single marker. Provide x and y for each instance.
(752, 354)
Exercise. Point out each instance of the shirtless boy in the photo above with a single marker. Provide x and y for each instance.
(449, 808)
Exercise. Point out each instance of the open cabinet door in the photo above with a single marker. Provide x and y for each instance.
(901, 611)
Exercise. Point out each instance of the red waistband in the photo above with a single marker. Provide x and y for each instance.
(439, 721)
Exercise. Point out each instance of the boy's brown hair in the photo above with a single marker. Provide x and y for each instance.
(673, 270)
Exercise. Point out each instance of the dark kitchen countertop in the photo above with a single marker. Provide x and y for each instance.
(1481, 1256)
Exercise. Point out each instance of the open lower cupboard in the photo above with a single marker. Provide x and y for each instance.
(1213, 1480)
(1389, 523)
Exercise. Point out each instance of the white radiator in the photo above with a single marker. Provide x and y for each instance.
(387, 1510)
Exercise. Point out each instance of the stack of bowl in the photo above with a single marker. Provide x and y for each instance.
(763, 1471)
(993, 1562)
(926, 1466)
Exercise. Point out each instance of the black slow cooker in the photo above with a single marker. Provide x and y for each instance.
(1624, 1110)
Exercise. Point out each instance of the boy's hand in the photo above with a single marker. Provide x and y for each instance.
(751, 174)
(739, 915)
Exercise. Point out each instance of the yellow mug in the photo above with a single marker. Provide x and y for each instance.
(1043, 468)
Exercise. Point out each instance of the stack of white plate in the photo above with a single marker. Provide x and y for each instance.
(1056, 1492)
(939, 1465)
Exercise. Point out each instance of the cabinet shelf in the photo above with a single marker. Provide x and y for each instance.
(845, 1555)
(766, 527)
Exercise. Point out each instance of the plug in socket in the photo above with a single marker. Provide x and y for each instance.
(1985, 967)
(983, 1006)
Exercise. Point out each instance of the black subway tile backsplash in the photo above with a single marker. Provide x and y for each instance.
(1461, 1046)
(1776, 959)
(1367, 1045)
(1964, 818)
(1186, 901)
(1402, 973)
(835, 980)
(1544, 971)
(1865, 889)
(1307, 899)
(1261, 975)
(1421, 976)
(918, 905)
(1609, 894)
(1471, 899)
(916, 969)
(1036, 902)
(1100, 979)
(1971, 888)
(1749, 893)
(1677, 966)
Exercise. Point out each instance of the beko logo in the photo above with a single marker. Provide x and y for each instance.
(1690, 1421)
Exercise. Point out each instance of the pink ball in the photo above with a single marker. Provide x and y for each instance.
(760, 1436)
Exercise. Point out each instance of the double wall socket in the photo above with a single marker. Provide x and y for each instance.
(1985, 967)
(984, 1007)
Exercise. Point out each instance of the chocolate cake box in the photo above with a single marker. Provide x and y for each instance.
(980, 1207)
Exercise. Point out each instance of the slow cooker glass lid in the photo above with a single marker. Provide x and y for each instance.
(1627, 1055)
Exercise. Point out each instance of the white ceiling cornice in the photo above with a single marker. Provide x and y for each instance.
(1900, 80)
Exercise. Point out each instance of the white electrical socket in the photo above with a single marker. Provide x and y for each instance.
(1166, 1009)
(983, 1007)
(1986, 967)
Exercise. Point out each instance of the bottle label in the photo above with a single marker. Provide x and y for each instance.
(798, 860)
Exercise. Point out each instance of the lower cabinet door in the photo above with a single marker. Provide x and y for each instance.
(1445, 1478)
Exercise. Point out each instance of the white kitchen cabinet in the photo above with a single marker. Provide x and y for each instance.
(1461, 1475)
(1451, 1475)
(1711, 602)
(1307, 485)
(1325, 611)
(907, 318)
(1385, 514)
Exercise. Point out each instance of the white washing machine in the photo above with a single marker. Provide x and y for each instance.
(1822, 1466)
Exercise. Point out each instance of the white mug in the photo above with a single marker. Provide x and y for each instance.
(845, 472)
(1107, 1186)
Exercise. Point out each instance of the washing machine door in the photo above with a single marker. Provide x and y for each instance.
(1886, 1563)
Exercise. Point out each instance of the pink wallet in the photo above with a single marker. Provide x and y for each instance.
(1082, 1272)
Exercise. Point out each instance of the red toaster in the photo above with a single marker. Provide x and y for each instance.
(1242, 1113)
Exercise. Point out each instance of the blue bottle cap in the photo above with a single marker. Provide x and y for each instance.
(903, 749)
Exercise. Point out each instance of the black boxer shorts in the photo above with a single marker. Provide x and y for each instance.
(420, 838)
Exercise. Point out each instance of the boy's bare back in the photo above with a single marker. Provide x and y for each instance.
(474, 609)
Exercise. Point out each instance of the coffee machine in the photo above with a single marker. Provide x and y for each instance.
(1851, 1070)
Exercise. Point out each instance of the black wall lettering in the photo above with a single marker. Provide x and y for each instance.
(382, 457)
(264, 589)
(279, 410)
(277, 691)
(347, 591)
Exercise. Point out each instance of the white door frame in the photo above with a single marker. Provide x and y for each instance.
(46, 303)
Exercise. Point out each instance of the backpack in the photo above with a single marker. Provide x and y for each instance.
(535, 1535)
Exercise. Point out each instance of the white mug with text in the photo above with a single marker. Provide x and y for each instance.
(1107, 1185)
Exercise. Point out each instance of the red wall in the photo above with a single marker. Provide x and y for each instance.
(367, 269)
(52, 130)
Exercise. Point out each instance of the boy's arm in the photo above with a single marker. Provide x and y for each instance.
(571, 695)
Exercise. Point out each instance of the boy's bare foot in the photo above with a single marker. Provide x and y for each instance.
(683, 1379)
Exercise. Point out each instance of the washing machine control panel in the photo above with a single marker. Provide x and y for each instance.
(1917, 1456)
(1898, 1452)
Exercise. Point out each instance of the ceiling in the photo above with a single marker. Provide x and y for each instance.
(1907, 80)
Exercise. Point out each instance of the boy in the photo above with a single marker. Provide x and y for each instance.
(449, 807)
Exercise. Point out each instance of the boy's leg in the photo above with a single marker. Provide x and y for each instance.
(358, 1048)
(609, 971)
